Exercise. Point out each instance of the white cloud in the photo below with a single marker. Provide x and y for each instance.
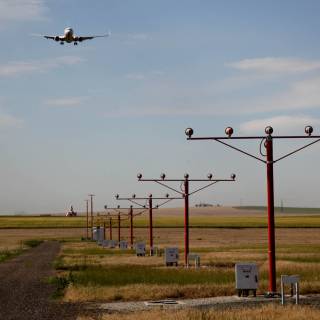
(16, 68)
(247, 94)
(66, 102)
(276, 65)
(9, 121)
(22, 10)
(283, 124)
(171, 100)
(304, 94)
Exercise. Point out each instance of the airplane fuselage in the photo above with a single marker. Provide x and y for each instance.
(68, 35)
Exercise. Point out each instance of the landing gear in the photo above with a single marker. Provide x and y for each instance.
(75, 43)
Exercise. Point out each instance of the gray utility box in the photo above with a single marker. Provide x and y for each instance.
(123, 245)
(97, 234)
(113, 243)
(171, 256)
(140, 249)
(246, 278)
(100, 236)
(105, 243)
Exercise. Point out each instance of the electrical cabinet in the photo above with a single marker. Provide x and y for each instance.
(123, 245)
(171, 256)
(140, 249)
(246, 278)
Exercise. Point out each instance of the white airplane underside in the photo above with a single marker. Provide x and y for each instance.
(69, 37)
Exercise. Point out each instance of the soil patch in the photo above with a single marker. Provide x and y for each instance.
(24, 291)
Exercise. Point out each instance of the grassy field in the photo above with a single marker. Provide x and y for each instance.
(290, 210)
(6, 254)
(98, 274)
(32, 222)
(12, 239)
(87, 272)
(222, 237)
(212, 217)
(202, 238)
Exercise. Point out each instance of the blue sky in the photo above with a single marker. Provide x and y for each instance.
(86, 119)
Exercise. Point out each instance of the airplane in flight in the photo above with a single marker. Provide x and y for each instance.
(69, 37)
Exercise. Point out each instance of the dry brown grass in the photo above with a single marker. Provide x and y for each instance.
(265, 312)
(220, 249)
(310, 281)
(140, 292)
(209, 211)
(12, 238)
(199, 237)
(211, 237)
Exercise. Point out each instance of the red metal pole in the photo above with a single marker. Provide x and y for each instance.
(87, 202)
(110, 228)
(119, 226)
(186, 221)
(131, 227)
(150, 226)
(104, 231)
(91, 211)
(271, 227)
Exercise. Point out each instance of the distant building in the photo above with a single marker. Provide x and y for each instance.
(202, 204)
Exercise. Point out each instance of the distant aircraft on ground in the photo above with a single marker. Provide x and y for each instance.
(71, 213)
(68, 36)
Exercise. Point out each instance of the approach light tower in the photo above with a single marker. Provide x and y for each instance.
(106, 218)
(111, 217)
(118, 217)
(130, 215)
(87, 218)
(185, 193)
(91, 213)
(268, 160)
(134, 199)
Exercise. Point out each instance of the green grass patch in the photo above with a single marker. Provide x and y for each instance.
(13, 222)
(196, 221)
(298, 248)
(98, 251)
(217, 274)
(60, 283)
(300, 210)
(261, 221)
(8, 254)
(127, 274)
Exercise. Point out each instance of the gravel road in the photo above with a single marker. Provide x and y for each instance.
(24, 293)
(200, 303)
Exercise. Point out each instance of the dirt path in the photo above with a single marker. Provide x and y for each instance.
(24, 293)
(200, 303)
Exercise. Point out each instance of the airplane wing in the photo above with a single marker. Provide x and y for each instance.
(55, 38)
(82, 38)
(45, 36)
